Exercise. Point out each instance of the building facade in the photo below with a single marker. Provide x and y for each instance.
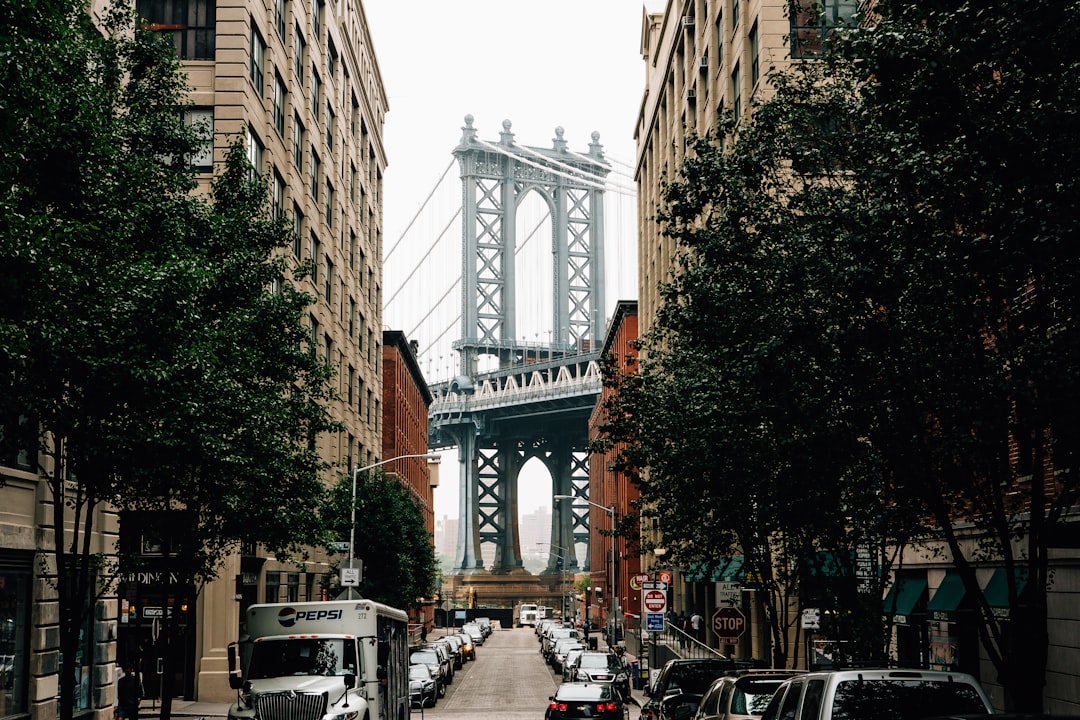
(608, 487)
(298, 83)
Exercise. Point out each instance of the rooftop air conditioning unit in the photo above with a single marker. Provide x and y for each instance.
(688, 20)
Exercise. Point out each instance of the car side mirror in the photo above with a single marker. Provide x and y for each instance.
(350, 681)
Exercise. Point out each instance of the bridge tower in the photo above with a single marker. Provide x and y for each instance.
(546, 391)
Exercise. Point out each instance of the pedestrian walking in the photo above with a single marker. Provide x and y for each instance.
(697, 625)
(129, 694)
(684, 627)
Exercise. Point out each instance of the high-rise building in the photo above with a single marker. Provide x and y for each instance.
(298, 83)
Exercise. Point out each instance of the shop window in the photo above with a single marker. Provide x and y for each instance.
(15, 583)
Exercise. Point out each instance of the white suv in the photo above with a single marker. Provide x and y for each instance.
(877, 695)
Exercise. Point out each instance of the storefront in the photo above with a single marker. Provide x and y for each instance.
(16, 575)
(905, 608)
(953, 629)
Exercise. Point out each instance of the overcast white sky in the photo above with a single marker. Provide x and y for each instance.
(540, 64)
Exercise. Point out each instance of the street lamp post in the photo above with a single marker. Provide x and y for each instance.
(611, 600)
(564, 561)
(352, 515)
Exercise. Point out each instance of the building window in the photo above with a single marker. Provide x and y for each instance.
(736, 93)
(299, 54)
(279, 104)
(298, 142)
(279, 17)
(316, 170)
(298, 230)
(328, 348)
(329, 128)
(331, 58)
(317, 19)
(254, 153)
(191, 24)
(352, 380)
(15, 588)
(315, 253)
(273, 586)
(328, 282)
(813, 20)
(329, 204)
(258, 57)
(754, 67)
(292, 587)
(352, 316)
(202, 120)
(277, 195)
(314, 339)
(316, 91)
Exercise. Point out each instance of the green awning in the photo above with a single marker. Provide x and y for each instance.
(997, 590)
(731, 572)
(696, 572)
(903, 599)
(947, 599)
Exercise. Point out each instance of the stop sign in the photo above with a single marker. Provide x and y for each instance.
(655, 600)
(728, 623)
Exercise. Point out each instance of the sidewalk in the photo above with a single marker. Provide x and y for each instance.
(186, 709)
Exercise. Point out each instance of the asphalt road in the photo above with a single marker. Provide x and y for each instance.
(509, 679)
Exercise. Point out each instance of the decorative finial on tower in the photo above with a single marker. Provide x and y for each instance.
(595, 148)
(506, 137)
(558, 142)
(468, 132)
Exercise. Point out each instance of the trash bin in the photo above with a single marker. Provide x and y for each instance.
(593, 642)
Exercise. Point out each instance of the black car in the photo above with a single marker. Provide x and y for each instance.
(682, 677)
(423, 686)
(586, 700)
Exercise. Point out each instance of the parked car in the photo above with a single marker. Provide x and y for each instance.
(585, 700)
(569, 663)
(558, 653)
(555, 634)
(602, 668)
(468, 650)
(430, 658)
(741, 696)
(877, 694)
(445, 657)
(475, 632)
(683, 676)
(485, 625)
(453, 643)
(423, 686)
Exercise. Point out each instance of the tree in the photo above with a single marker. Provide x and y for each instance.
(154, 339)
(391, 539)
(868, 336)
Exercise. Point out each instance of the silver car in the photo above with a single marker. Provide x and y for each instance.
(603, 668)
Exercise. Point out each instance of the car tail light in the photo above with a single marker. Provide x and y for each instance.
(608, 707)
(561, 707)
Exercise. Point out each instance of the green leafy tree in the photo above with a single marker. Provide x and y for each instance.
(868, 335)
(154, 338)
(392, 540)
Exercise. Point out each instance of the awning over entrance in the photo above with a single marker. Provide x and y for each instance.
(947, 599)
(903, 599)
(720, 570)
(997, 590)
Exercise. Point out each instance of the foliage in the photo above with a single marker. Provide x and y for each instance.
(869, 331)
(391, 537)
(139, 326)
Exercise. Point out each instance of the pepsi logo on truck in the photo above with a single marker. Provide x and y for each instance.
(289, 616)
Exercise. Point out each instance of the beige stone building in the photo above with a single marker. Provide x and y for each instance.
(298, 83)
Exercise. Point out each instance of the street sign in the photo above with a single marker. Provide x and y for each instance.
(638, 579)
(655, 601)
(654, 621)
(728, 623)
(654, 585)
(811, 619)
(728, 593)
(352, 572)
(664, 576)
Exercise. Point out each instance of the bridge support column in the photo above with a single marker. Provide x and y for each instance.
(467, 555)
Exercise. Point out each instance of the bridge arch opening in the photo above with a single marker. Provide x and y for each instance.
(534, 515)
(534, 263)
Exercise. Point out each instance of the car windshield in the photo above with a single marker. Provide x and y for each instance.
(576, 691)
(752, 696)
(306, 656)
(604, 662)
(424, 656)
(892, 699)
(695, 677)
(419, 672)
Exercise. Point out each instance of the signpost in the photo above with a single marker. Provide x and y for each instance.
(729, 624)
(654, 600)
